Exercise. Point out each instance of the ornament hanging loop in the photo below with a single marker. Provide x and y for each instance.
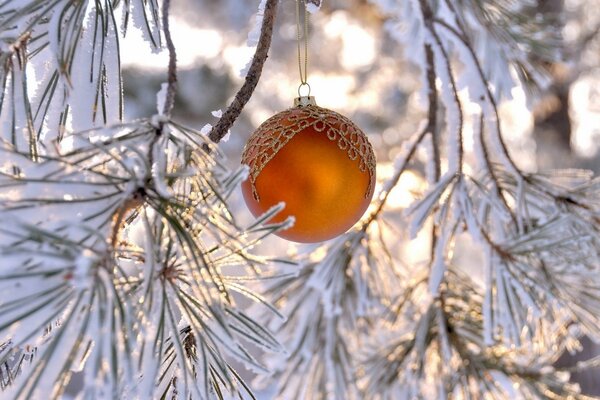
(304, 90)
(302, 30)
(304, 98)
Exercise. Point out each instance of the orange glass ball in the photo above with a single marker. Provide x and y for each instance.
(316, 161)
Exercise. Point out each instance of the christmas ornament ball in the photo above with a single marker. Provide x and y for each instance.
(316, 161)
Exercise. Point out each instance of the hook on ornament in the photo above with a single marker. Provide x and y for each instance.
(304, 87)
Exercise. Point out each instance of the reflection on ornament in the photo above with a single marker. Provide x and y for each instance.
(316, 161)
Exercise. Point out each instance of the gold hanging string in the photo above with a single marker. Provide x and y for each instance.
(302, 37)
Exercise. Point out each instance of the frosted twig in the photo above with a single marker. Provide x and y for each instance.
(463, 38)
(490, 169)
(172, 71)
(429, 19)
(510, 164)
(220, 129)
(430, 128)
(467, 206)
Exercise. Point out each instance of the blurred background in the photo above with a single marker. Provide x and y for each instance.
(357, 68)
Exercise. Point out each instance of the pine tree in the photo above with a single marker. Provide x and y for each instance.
(123, 262)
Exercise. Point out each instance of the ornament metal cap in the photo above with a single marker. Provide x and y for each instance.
(304, 101)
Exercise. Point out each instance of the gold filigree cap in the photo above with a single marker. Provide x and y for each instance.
(277, 131)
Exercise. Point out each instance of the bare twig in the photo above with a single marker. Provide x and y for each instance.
(243, 95)
(172, 71)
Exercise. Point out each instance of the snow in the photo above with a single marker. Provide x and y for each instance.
(161, 98)
(206, 129)
(313, 8)
(254, 33)
(84, 270)
(159, 169)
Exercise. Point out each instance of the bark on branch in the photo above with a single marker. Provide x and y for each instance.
(243, 95)
(172, 71)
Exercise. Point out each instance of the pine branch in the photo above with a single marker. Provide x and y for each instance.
(91, 93)
(170, 275)
(443, 344)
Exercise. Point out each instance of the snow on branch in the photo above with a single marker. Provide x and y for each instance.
(104, 249)
(440, 354)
